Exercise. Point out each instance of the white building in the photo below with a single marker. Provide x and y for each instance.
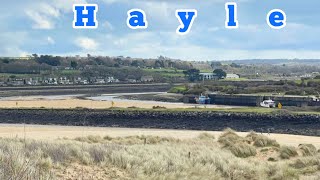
(33, 82)
(232, 76)
(100, 81)
(64, 80)
(209, 76)
(111, 80)
(51, 81)
(146, 79)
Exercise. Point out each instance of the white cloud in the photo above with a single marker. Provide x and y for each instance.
(50, 40)
(43, 15)
(86, 43)
(48, 10)
(152, 44)
(66, 5)
(40, 22)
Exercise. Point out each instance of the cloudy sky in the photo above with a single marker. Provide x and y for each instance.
(45, 27)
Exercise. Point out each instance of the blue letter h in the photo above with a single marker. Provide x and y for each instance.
(90, 16)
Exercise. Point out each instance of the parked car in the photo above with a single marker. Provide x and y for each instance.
(268, 104)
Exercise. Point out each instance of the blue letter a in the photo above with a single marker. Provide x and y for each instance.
(137, 19)
(79, 16)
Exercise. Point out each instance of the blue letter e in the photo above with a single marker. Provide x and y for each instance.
(276, 19)
(85, 11)
(137, 19)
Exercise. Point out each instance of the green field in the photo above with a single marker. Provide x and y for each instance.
(178, 89)
(165, 72)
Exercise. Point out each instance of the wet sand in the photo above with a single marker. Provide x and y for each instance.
(66, 102)
(53, 132)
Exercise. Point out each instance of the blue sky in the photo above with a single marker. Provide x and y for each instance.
(45, 27)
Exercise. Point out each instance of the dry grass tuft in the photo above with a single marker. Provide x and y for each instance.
(307, 165)
(304, 162)
(261, 140)
(307, 149)
(286, 152)
(206, 136)
(243, 150)
(252, 136)
(229, 138)
(236, 144)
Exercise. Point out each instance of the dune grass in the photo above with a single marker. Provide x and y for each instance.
(287, 152)
(149, 157)
(307, 149)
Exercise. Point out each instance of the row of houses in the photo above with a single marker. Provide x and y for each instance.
(36, 81)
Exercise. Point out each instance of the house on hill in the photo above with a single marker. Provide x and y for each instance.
(209, 76)
(146, 79)
(232, 76)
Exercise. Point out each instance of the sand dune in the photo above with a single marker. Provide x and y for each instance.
(54, 132)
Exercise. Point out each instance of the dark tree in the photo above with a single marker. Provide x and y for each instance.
(192, 74)
(50, 60)
(74, 64)
(220, 73)
(215, 64)
(135, 63)
(6, 61)
(234, 65)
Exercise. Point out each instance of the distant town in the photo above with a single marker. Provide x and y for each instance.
(37, 70)
(249, 77)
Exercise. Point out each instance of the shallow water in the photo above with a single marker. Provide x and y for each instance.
(114, 97)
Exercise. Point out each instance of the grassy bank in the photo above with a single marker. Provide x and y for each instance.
(203, 108)
(147, 157)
